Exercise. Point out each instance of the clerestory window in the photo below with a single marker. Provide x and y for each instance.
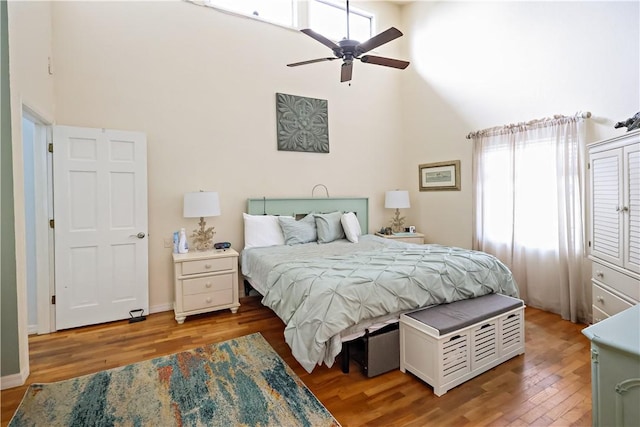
(281, 12)
(327, 17)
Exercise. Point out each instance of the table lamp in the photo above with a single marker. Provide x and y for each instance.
(201, 204)
(397, 199)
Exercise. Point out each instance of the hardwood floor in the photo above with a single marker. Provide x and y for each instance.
(548, 385)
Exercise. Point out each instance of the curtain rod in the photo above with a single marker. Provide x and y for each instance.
(582, 115)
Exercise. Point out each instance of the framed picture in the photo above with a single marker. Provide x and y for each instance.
(439, 176)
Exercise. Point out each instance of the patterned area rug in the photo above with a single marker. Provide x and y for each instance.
(236, 382)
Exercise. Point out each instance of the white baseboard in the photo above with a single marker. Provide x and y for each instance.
(14, 380)
(160, 308)
(32, 329)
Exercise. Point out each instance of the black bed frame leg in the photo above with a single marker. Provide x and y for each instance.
(345, 357)
(247, 288)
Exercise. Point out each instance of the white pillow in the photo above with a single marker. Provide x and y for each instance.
(262, 230)
(351, 226)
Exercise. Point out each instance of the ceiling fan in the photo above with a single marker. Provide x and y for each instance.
(348, 50)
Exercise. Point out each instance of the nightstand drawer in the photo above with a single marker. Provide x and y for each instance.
(598, 315)
(607, 302)
(207, 284)
(211, 299)
(622, 283)
(208, 265)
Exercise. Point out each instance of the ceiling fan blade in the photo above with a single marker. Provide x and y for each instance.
(346, 71)
(322, 39)
(382, 38)
(311, 61)
(387, 62)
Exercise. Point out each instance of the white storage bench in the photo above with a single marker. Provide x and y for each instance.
(448, 344)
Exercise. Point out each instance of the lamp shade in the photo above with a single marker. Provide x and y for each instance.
(398, 199)
(201, 204)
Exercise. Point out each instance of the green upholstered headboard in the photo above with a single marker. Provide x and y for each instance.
(296, 206)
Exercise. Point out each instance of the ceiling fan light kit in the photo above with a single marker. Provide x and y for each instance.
(348, 50)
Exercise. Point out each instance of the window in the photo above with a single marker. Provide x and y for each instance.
(281, 12)
(326, 17)
(330, 20)
(526, 210)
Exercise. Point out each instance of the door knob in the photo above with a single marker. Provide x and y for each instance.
(140, 235)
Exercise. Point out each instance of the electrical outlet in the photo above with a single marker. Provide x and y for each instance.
(168, 243)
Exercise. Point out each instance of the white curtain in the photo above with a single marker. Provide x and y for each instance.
(528, 210)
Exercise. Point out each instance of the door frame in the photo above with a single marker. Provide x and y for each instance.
(43, 194)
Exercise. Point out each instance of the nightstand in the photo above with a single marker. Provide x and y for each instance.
(405, 237)
(205, 281)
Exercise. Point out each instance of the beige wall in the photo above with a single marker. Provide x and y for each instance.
(31, 86)
(477, 65)
(202, 85)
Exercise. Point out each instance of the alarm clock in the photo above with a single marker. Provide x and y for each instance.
(222, 245)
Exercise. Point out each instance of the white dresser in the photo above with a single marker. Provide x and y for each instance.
(614, 229)
(615, 369)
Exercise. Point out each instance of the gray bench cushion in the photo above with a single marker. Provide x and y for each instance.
(460, 314)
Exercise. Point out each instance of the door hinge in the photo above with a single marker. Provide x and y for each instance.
(589, 243)
(53, 300)
(589, 165)
(52, 223)
(50, 147)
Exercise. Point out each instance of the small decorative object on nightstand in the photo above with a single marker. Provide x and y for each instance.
(398, 199)
(417, 238)
(205, 281)
(201, 204)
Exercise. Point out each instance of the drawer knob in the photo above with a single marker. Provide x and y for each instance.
(600, 299)
(208, 266)
(208, 300)
(208, 284)
(599, 274)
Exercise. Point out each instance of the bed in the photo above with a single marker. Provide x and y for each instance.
(329, 289)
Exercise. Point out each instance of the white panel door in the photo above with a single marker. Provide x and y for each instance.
(100, 212)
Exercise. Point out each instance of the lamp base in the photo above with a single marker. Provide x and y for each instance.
(397, 222)
(203, 237)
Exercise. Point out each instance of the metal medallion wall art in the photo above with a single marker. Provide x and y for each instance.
(303, 124)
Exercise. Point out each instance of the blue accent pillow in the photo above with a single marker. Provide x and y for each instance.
(296, 232)
(329, 227)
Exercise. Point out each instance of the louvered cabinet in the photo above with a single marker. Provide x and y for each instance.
(614, 169)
